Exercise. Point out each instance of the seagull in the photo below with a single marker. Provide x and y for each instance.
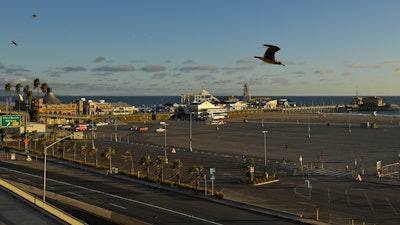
(269, 55)
(14, 43)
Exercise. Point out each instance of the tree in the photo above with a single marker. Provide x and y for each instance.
(8, 89)
(18, 90)
(128, 159)
(83, 150)
(72, 146)
(247, 165)
(176, 169)
(107, 155)
(159, 166)
(196, 173)
(43, 139)
(145, 162)
(44, 88)
(94, 151)
(36, 84)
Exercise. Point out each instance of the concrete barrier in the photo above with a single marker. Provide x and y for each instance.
(43, 205)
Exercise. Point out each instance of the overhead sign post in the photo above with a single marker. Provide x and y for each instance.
(11, 121)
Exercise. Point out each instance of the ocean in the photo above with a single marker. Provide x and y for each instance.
(149, 101)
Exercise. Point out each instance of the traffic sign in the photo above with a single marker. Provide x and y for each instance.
(11, 121)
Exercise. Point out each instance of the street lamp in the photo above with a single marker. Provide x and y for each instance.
(265, 132)
(190, 132)
(165, 140)
(45, 164)
(301, 162)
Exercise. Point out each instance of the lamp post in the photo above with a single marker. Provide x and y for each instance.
(301, 162)
(45, 165)
(190, 131)
(165, 140)
(265, 132)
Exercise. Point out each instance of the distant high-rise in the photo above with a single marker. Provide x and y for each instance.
(246, 94)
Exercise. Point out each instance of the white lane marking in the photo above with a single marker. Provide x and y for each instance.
(24, 180)
(118, 206)
(119, 197)
(73, 193)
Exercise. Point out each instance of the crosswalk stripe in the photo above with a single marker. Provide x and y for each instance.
(331, 172)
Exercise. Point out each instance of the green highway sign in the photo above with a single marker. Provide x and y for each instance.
(11, 121)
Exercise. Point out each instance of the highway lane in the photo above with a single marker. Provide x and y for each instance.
(154, 206)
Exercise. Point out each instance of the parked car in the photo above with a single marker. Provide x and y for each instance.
(134, 127)
(160, 130)
(92, 127)
(81, 128)
(143, 129)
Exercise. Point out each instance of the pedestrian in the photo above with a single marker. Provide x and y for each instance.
(359, 178)
(347, 168)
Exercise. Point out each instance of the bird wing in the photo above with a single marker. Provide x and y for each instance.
(270, 53)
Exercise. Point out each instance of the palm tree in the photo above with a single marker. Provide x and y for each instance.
(159, 166)
(18, 90)
(176, 169)
(61, 148)
(44, 88)
(145, 162)
(72, 146)
(196, 173)
(36, 84)
(8, 89)
(26, 92)
(83, 150)
(94, 151)
(107, 155)
(127, 157)
(247, 165)
(43, 141)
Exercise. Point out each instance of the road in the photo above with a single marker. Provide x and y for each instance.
(154, 206)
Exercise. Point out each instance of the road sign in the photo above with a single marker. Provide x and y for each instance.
(11, 121)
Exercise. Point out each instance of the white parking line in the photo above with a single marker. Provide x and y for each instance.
(369, 203)
(391, 206)
(347, 196)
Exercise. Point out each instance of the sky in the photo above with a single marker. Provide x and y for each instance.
(165, 48)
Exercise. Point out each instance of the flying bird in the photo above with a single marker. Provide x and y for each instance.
(14, 43)
(269, 55)
(34, 16)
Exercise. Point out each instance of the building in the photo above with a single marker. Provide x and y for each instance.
(188, 98)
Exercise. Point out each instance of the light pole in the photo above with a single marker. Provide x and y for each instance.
(265, 132)
(301, 162)
(45, 164)
(190, 131)
(165, 140)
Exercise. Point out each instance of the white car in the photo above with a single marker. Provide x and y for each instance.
(160, 130)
